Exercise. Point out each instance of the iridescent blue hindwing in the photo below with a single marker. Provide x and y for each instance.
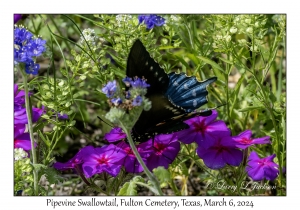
(187, 92)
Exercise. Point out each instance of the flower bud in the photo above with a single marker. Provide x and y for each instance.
(248, 20)
(227, 38)
(233, 30)
(253, 49)
(249, 30)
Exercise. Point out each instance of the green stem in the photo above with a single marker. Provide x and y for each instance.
(30, 128)
(151, 177)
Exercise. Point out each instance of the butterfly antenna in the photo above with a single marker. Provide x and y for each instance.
(105, 122)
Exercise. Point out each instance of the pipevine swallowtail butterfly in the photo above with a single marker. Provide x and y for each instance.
(174, 96)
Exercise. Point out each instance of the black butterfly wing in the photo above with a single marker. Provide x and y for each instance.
(140, 64)
(173, 96)
(187, 92)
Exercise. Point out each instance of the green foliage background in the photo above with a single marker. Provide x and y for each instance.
(246, 52)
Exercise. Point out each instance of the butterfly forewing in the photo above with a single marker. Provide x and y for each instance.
(140, 64)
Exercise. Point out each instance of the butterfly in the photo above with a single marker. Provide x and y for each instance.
(174, 97)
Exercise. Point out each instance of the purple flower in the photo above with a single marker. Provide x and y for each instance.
(165, 149)
(116, 101)
(139, 83)
(110, 89)
(221, 151)
(115, 134)
(20, 116)
(21, 37)
(105, 159)
(31, 67)
(37, 113)
(17, 17)
(127, 81)
(137, 101)
(127, 94)
(35, 47)
(151, 20)
(26, 48)
(258, 169)
(19, 98)
(130, 163)
(77, 160)
(62, 116)
(203, 129)
(244, 140)
(20, 57)
(23, 141)
(19, 129)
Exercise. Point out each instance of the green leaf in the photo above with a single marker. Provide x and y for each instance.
(163, 175)
(226, 61)
(182, 61)
(166, 47)
(251, 108)
(219, 72)
(52, 176)
(129, 188)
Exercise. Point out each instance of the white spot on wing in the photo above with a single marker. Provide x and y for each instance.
(175, 83)
(151, 68)
(195, 103)
(194, 93)
(146, 63)
(185, 86)
(156, 74)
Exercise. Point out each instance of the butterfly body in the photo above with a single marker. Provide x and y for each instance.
(174, 97)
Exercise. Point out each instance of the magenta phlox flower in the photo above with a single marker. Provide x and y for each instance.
(20, 117)
(37, 113)
(115, 134)
(258, 169)
(221, 151)
(130, 163)
(105, 159)
(19, 129)
(19, 98)
(244, 140)
(17, 17)
(77, 160)
(203, 129)
(164, 150)
(23, 141)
